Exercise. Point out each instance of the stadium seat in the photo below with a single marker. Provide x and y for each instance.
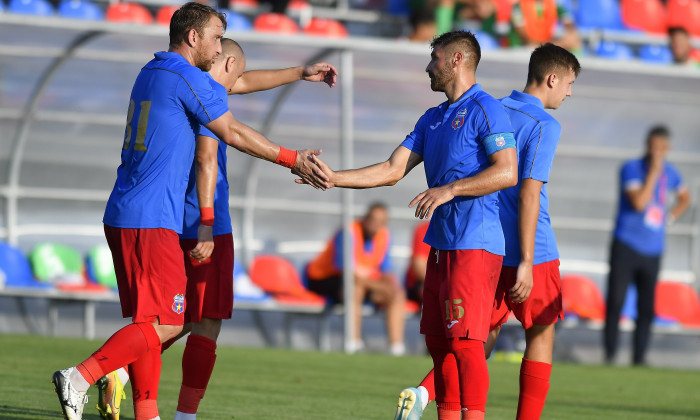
(599, 14)
(645, 15)
(57, 264)
(279, 278)
(684, 13)
(678, 301)
(31, 7)
(243, 4)
(236, 21)
(328, 28)
(15, 268)
(581, 297)
(164, 14)
(656, 54)
(275, 22)
(80, 9)
(128, 12)
(614, 51)
(243, 287)
(100, 267)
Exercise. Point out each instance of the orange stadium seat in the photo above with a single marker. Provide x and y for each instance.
(275, 22)
(279, 278)
(678, 301)
(128, 12)
(684, 13)
(164, 14)
(582, 297)
(328, 28)
(646, 15)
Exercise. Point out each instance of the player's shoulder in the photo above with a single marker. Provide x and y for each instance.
(486, 105)
(218, 88)
(176, 64)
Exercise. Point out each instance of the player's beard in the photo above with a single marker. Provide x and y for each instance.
(440, 77)
(203, 62)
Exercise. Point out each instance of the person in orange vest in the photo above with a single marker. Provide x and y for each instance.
(415, 275)
(535, 22)
(373, 277)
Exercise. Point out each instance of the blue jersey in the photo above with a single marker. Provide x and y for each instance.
(169, 101)
(455, 141)
(645, 231)
(222, 217)
(536, 135)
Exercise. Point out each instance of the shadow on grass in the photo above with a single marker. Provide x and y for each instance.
(16, 413)
(643, 409)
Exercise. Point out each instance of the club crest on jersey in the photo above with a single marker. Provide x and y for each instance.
(459, 119)
(179, 304)
(500, 141)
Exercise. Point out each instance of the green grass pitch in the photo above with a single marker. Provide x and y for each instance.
(262, 384)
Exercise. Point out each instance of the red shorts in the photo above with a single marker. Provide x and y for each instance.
(210, 285)
(150, 274)
(542, 307)
(458, 293)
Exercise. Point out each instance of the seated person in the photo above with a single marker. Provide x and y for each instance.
(535, 22)
(681, 48)
(415, 275)
(372, 273)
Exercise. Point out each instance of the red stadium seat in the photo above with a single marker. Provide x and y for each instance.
(275, 22)
(128, 12)
(243, 4)
(582, 297)
(164, 14)
(646, 15)
(279, 278)
(328, 28)
(684, 13)
(678, 301)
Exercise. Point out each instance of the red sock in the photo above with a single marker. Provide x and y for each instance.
(429, 384)
(197, 366)
(145, 409)
(446, 377)
(534, 384)
(145, 376)
(121, 349)
(448, 413)
(473, 373)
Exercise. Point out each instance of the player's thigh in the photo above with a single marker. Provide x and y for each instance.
(544, 305)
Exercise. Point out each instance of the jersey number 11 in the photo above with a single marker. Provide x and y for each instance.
(139, 144)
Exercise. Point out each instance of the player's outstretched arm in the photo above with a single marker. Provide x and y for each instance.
(382, 174)
(528, 214)
(206, 171)
(502, 173)
(257, 80)
(243, 138)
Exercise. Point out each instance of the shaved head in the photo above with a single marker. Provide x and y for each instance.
(231, 48)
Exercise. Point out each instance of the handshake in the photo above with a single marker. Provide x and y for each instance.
(312, 170)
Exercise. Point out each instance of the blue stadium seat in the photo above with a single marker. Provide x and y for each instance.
(236, 21)
(486, 41)
(31, 7)
(656, 54)
(614, 51)
(80, 9)
(599, 14)
(16, 269)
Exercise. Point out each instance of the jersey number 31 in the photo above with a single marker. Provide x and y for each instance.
(139, 144)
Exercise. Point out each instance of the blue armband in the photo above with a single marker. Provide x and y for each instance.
(498, 141)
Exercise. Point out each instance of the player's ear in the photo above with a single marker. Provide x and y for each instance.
(457, 58)
(552, 80)
(191, 37)
(230, 63)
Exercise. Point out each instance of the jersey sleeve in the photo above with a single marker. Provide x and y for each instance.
(415, 141)
(630, 177)
(538, 153)
(200, 99)
(495, 130)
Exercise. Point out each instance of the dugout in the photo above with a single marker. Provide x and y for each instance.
(65, 89)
